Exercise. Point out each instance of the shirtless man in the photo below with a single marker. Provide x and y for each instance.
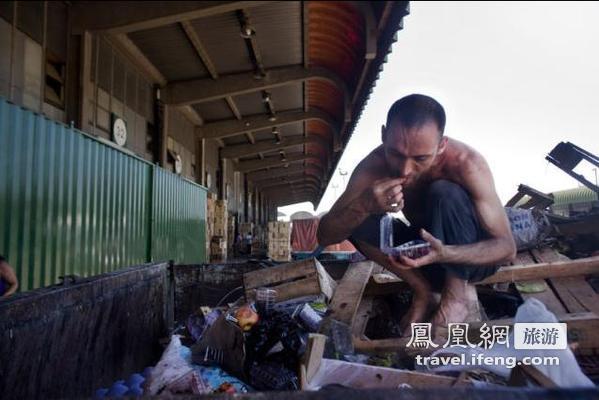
(446, 192)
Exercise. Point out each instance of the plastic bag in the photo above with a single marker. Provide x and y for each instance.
(529, 227)
(566, 374)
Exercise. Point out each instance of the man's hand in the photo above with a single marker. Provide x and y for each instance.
(385, 195)
(437, 254)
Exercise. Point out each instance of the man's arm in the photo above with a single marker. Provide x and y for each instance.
(8, 275)
(362, 197)
(345, 215)
(498, 248)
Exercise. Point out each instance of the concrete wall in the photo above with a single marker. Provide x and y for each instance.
(117, 89)
(211, 165)
(182, 141)
(23, 66)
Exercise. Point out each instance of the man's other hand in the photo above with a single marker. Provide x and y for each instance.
(437, 253)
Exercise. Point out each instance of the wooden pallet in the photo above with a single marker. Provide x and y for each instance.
(567, 294)
(292, 280)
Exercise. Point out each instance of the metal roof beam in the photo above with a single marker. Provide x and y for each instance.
(207, 89)
(286, 178)
(290, 189)
(242, 150)
(295, 180)
(223, 129)
(247, 166)
(275, 172)
(131, 16)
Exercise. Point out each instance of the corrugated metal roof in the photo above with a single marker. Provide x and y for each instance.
(326, 97)
(288, 97)
(292, 129)
(214, 110)
(220, 36)
(574, 196)
(233, 140)
(336, 38)
(316, 127)
(265, 134)
(279, 33)
(171, 52)
(250, 103)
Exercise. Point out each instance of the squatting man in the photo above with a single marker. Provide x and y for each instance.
(445, 190)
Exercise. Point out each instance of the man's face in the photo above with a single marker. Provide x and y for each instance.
(410, 152)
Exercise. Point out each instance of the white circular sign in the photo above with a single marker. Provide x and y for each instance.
(178, 164)
(119, 131)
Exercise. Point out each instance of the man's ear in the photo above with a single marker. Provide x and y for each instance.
(383, 132)
(442, 145)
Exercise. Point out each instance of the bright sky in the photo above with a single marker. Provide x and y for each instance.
(514, 78)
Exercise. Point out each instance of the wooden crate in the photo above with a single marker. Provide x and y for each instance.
(292, 280)
(279, 250)
(246, 228)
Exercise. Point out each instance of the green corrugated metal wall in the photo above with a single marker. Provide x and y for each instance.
(178, 229)
(72, 205)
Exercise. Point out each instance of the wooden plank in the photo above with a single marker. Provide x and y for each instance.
(547, 254)
(327, 284)
(362, 317)
(521, 374)
(279, 274)
(582, 329)
(524, 258)
(363, 376)
(313, 356)
(380, 289)
(584, 294)
(575, 292)
(347, 297)
(564, 287)
(548, 297)
(301, 288)
(578, 267)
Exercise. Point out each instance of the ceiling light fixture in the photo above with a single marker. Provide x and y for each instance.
(247, 32)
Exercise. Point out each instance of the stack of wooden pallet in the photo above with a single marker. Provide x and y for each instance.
(279, 237)
(230, 233)
(246, 229)
(216, 229)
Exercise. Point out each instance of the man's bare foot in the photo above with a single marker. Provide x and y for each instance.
(420, 309)
(459, 303)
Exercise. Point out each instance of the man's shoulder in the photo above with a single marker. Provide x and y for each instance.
(464, 155)
(372, 164)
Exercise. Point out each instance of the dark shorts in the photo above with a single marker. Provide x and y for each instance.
(449, 216)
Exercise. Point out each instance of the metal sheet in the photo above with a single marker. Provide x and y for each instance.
(73, 339)
(216, 110)
(279, 33)
(169, 49)
(179, 219)
(70, 204)
(220, 35)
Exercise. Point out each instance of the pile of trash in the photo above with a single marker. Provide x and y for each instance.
(291, 331)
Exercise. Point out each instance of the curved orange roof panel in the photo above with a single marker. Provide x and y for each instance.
(326, 97)
(336, 38)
